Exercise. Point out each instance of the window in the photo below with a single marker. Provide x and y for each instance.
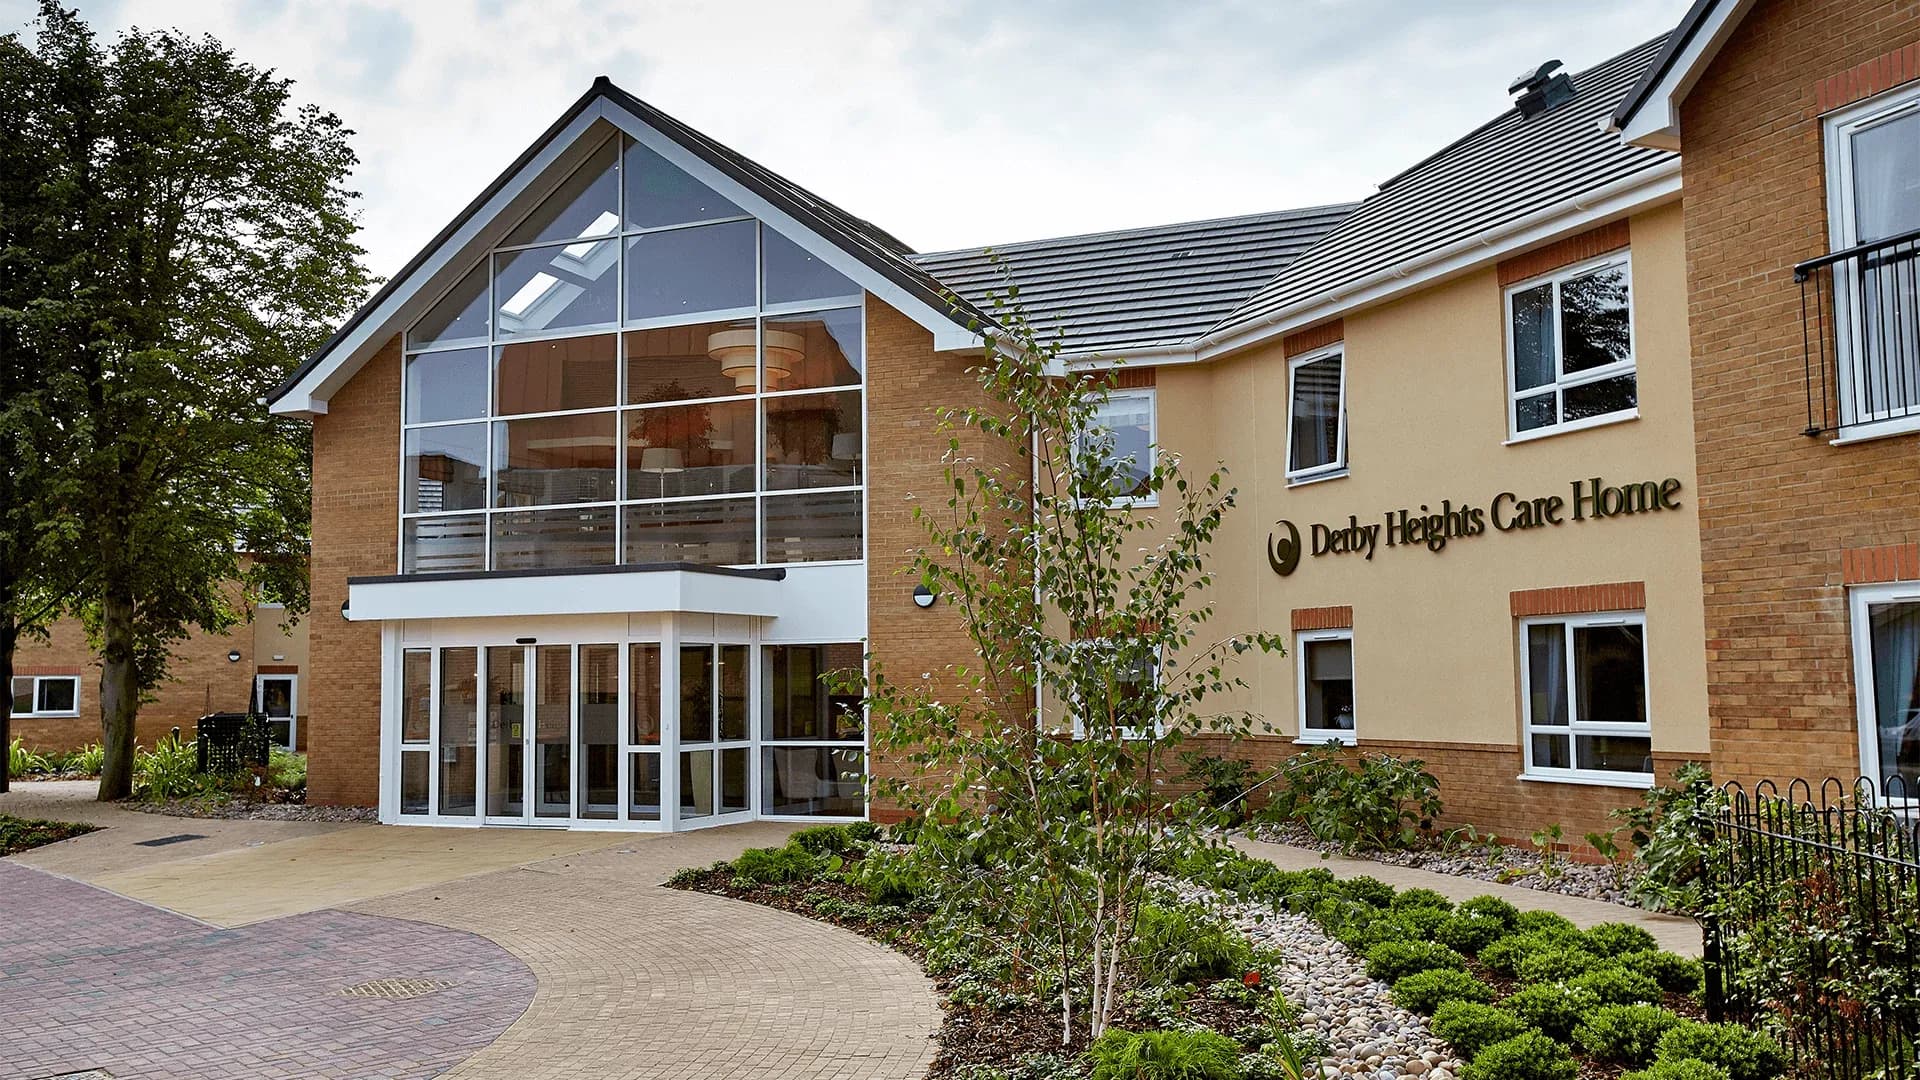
(1326, 686)
(1570, 349)
(1873, 195)
(1584, 687)
(1123, 430)
(814, 758)
(1317, 415)
(46, 695)
(644, 373)
(1886, 650)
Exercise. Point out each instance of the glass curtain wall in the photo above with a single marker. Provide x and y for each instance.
(642, 373)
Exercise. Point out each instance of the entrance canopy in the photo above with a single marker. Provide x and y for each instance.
(660, 587)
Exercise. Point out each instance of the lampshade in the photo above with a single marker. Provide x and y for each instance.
(846, 446)
(662, 459)
(734, 350)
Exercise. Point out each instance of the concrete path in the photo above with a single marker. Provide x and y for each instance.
(1673, 932)
(626, 978)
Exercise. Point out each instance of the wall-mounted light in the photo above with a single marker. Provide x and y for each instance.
(923, 596)
(233, 656)
(343, 612)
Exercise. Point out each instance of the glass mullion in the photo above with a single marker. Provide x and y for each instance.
(626, 232)
(665, 322)
(805, 390)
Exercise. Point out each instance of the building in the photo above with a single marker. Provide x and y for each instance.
(1798, 126)
(623, 461)
(258, 664)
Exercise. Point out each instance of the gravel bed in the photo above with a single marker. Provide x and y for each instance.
(1366, 1034)
(1516, 866)
(258, 811)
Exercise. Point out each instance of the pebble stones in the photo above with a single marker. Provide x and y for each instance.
(1366, 1034)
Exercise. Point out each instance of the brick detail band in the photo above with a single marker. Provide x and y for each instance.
(278, 669)
(1878, 75)
(1323, 618)
(24, 670)
(1579, 599)
(1587, 245)
(1133, 378)
(1316, 337)
(1893, 562)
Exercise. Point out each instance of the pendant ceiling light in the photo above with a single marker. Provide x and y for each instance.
(734, 350)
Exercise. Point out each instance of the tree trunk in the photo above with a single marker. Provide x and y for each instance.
(119, 692)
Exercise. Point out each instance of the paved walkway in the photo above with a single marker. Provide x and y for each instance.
(1673, 932)
(621, 978)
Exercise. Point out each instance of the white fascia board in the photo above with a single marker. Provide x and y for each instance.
(1657, 122)
(1631, 195)
(947, 334)
(460, 597)
(309, 396)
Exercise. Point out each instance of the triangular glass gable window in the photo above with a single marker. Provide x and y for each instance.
(795, 275)
(660, 194)
(460, 318)
(586, 204)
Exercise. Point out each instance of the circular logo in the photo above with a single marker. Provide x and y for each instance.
(1283, 552)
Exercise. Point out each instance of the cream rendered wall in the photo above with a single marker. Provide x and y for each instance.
(1435, 644)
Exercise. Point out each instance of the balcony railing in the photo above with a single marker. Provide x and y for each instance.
(1860, 321)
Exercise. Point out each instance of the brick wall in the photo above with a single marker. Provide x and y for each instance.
(1778, 509)
(356, 469)
(906, 381)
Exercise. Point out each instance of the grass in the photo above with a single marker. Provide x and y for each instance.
(24, 834)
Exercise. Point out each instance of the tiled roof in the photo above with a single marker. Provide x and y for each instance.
(1136, 288)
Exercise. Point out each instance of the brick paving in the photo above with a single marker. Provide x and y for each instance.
(90, 980)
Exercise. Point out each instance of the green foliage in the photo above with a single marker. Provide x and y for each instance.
(767, 866)
(1376, 802)
(1624, 1034)
(829, 839)
(1468, 1026)
(1612, 985)
(168, 771)
(22, 834)
(1551, 1007)
(1164, 1055)
(1221, 782)
(1555, 964)
(1408, 899)
(1505, 955)
(889, 878)
(1389, 961)
(1744, 1054)
(1669, 839)
(1424, 991)
(1528, 1056)
(87, 760)
(1684, 1069)
(1675, 973)
(1183, 945)
(1615, 939)
(1367, 890)
(1529, 922)
(1546, 845)
(22, 762)
(1468, 932)
(287, 770)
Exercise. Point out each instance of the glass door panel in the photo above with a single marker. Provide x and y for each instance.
(644, 722)
(735, 762)
(553, 730)
(598, 794)
(459, 717)
(697, 693)
(506, 731)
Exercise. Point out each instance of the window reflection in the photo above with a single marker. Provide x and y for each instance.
(564, 287)
(551, 460)
(446, 469)
(814, 441)
(681, 450)
(690, 271)
(552, 376)
(711, 532)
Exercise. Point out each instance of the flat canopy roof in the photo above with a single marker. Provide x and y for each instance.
(656, 587)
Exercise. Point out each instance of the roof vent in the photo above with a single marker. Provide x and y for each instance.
(1540, 89)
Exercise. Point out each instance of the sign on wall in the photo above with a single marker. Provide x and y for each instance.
(1591, 500)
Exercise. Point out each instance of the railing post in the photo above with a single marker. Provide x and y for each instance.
(1714, 987)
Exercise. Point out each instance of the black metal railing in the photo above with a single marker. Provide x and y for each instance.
(1813, 924)
(1860, 327)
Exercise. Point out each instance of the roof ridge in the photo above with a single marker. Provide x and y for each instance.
(1108, 234)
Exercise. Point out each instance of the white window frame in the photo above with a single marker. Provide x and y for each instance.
(1562, 382)
(1575, 726)
(1139, 393)
(1072, 705)
(1338, 466)
(1312, 736)
(36, 712)
(1837, 132)
(1859, 599)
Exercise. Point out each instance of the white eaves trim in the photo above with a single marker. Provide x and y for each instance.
(1656, 122)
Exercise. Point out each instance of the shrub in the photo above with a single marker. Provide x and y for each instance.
(1390, 961)
(1423, 991)
(1475, 924)
(1613, 939)
(1534, 922)
(1468, 1026)
(22, 762)
(1675, 973)
(1684, 1069)
(1378, 803)
(1164, 1055)
(1744, 1054)
(1505, 955)
(825, 839)
(888, 878)
(1528, 1056)
(1555, 963)
(1221, 783)
(165, 772)
(1489, 907)
(1369, 891)
(1551, 1007)
(1625, 1034)
(287, 770)
(1612, 985)
(1181, 945)
(87, 760)
(1408, 899)
(771, 865)
(1361, 932)
(1665, 831)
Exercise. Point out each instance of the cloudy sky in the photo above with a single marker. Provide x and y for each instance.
(949, 123)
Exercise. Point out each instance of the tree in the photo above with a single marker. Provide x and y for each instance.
(1049, 768)
(216, 249)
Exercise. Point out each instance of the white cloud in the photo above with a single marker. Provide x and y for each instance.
(949, 125)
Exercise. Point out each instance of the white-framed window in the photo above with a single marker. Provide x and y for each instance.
(1133, 681)
(46, 695)
(1317, 414)
(1583, 682)
(1570, 348)
(1873, 194)
(1325, 686)
(1886, 664)
(1129, 416)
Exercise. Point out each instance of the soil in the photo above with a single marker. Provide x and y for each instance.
(25, 834)
(236, 809)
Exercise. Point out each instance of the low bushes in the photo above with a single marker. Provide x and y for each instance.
(23, 763)
(1363, 802)
(1551, 1007)
(1744, 1054)
(1183, 945)
(769, 866)
(1423, 991)
(23, 834)
(1529, 1056)
(1624, 1034)
(1164, 1055)
(1469, 1026)
(1689, 1069)
(1389, 961)
(1617, 986)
